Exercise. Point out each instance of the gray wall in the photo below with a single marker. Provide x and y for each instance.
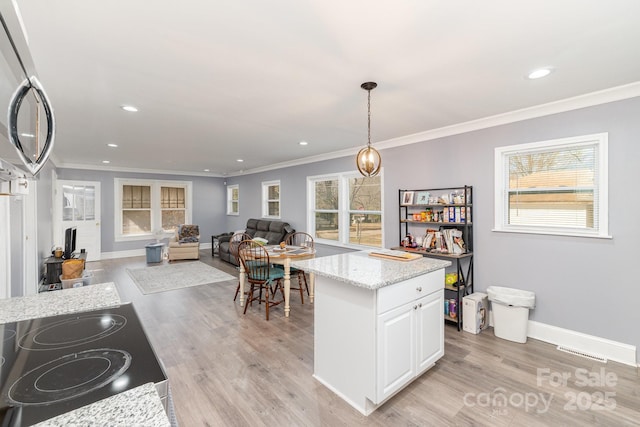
(208, 203)
(582, 284)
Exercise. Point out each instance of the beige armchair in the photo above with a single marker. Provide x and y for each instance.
(186, 243)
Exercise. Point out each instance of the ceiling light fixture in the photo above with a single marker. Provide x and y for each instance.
(239, 160)
(537, 74)
(112, 145)
(368, 159)
(129, 108)
(207, 170)
(106, 162)
(303, 143)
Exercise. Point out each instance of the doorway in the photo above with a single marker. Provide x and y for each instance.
(77, 204)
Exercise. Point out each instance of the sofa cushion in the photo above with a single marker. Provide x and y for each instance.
(273, 231)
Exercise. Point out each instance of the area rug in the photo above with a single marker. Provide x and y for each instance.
(168, 277)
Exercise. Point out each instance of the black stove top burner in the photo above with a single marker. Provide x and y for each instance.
(83, 329)
(8, 334)
(7, 338)
(69, 376)
(56, 364)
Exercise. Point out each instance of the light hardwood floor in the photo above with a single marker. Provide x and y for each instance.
(230, 369)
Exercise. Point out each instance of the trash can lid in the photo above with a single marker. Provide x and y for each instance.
(510, 296)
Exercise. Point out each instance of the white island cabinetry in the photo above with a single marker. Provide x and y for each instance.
(378, 324)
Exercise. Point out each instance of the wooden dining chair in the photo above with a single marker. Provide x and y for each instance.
(300, 238)
(260, 275)
(234, 242)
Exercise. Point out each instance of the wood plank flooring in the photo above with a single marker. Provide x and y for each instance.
(230, 369)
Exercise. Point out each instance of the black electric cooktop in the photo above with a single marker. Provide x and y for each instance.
(53, 365)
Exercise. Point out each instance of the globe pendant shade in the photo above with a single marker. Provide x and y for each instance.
(369, 161)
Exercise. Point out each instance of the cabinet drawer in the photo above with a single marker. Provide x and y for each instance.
(395, 295)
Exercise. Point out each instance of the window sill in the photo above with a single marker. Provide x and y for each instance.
(348, 246)
(553, 233)
(138, 237)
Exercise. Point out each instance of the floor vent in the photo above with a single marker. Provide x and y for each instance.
(582, 354)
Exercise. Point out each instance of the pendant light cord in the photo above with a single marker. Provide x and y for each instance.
(369, 117)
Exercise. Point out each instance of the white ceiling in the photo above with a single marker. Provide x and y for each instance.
(216, 81)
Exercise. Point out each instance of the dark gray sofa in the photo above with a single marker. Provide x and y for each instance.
(274, 231)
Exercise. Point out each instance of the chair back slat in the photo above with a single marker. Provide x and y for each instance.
(300, 238)
(234, 242)
(255, 261)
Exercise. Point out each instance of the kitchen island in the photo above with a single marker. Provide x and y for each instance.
(378, 323)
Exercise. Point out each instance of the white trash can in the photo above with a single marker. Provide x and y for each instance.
(510, 312)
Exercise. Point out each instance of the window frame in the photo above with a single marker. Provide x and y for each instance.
(230, 200)
(344, 211)
(156, 208)
(265, 199)
(601, 188)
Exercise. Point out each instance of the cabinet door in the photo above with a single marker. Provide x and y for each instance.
(430, 330)
(396, 350)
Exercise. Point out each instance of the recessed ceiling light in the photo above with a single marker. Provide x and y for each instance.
(239, 160)
(537, 74)
(106, 162)
(112, 145)
(129, 108)
(207, 170)
(303, 143)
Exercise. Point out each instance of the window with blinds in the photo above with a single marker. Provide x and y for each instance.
(147, 209)
(136, 209)
(172, 207)
(553, 187)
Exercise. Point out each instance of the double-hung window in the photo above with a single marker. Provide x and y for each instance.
(271, 199)
(145, 209)
(233, 199)
(345, 209)
(553, 187)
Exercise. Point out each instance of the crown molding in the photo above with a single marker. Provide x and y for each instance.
(605, 96)
(618, 93)
(138, 170)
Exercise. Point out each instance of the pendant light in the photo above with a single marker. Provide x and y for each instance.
(368, 159)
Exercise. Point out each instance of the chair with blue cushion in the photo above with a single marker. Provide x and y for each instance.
(302, 239)
(260, 275)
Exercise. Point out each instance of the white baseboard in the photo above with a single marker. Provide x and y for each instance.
(590, 344)
(122, 254)
(138, 252)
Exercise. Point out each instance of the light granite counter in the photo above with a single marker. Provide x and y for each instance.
(64, 301)
(140, 406)
(362, 270)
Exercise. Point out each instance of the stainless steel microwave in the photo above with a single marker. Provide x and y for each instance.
(27, 127)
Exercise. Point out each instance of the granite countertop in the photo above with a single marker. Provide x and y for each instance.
(360, 269)
(140, 406)
(64, 301)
